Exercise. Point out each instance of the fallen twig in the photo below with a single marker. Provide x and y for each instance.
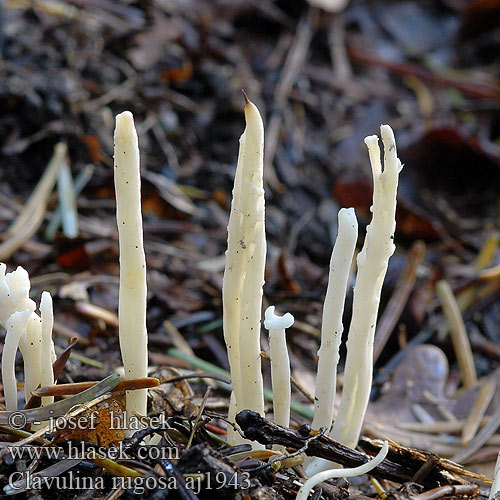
(401, 465)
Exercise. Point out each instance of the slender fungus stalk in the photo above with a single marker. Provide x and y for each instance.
(16, 327)
(30, 346)
(335, 473)
(16, 312)
(47, 314)
(332, 328)
(244, 272)
(132, 297)
(280, 364)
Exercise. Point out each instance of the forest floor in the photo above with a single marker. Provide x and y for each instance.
(322, 82)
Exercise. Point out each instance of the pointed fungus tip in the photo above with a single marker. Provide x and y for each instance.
(247, 101)
(125, 117)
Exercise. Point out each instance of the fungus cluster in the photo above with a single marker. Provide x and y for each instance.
(242, 294)
(244, 279)
(26, 331)
(372, 265)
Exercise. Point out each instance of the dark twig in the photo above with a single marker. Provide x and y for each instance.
(424, 471)
(393, 468)
(197, 421)
(184, 492)
(135, 440)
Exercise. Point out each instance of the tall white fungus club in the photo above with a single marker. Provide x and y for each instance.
(244, 272)
(331, 326)
(132, 298)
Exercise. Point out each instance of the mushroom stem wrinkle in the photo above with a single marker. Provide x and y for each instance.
(132, 296)
(244, 271)
(332, 328)
(280, 364)
(372, 266)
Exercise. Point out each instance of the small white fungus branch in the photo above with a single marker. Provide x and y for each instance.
(244, 271)
(21, 332)
(332, 328)
(14, 297)
(280, 364)
(372, 266)
(47, 314)
(336, 473)
(30, 346)
(14, 292)
(133, 289)
(16, 327)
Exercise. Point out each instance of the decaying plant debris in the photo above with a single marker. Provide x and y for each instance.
(323, 81)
